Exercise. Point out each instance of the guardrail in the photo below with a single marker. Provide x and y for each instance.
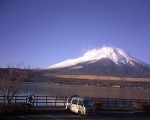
(119, 103)
(39, 100)
(60, 101)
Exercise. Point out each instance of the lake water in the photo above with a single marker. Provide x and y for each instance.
(86, 91)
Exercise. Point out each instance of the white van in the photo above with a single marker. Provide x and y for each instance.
(68, 101)
(82, 105)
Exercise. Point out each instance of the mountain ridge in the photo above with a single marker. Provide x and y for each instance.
(117, 55)
(103, 61)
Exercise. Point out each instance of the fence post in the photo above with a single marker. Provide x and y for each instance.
(46, 101)
(99, 99)
(55, 100)
(65, 98)
(131, 103)
(4, 99)
(123, 103)
(26, 99)
(91, 99)
(36, 100)
(15, 98)
(107, 102)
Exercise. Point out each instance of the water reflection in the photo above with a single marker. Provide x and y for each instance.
(87, 91)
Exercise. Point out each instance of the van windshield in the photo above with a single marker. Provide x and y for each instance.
(87, 103)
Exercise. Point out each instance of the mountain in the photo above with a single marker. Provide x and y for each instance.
(103, 61)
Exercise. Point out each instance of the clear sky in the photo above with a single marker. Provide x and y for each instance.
(40, 33)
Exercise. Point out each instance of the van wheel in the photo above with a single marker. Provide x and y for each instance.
(79, 113)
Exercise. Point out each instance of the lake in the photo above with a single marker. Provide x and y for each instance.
(85, 91)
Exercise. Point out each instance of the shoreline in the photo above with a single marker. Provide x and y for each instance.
(112, 84)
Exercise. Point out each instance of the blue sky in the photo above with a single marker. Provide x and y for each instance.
(40, 33)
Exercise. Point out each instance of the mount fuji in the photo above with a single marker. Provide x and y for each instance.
(108, 61)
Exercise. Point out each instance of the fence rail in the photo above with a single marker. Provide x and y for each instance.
(60, 101)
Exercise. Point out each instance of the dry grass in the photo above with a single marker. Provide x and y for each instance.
(94, 77)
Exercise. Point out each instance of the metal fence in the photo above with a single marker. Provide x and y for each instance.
(119, 103)
(60, 101)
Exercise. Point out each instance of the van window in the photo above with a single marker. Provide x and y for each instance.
(74, 101)
(80, 103)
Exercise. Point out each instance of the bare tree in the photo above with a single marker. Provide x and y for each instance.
(11, 79)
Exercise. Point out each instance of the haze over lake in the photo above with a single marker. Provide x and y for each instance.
(86, 91)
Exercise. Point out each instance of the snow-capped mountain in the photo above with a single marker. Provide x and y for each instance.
(117, 55)
(103, 61)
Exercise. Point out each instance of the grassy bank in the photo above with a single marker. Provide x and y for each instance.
(94, 77)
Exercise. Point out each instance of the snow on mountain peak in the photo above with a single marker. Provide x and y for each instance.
(117, 55)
